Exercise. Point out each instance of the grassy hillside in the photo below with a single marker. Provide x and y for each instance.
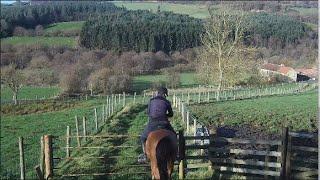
(33, 125)
(306, 11)
(49, 41)
(269, 113)
(194, 10)
(30, 92)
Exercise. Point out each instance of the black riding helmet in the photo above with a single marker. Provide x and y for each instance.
(163, 91)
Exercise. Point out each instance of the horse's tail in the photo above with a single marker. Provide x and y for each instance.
(164, 153)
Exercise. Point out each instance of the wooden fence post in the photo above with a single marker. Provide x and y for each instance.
(182, 145)
(285, 134)
(188, 100)
(41, 155)
(115, 102)
(208, 98)
(288, 159)
(112, 103)
(124, 99)
(68, 142)
(22, 164)
(182, 112)
(178, 104)
(195, 127)
(188, 129)
(84, 128)
(39, 172)
(109, 107)
(134, 97)
(199, 97)
(48, 155)
(96, 117)
(77, 131)
(102, 113)
(105, 113)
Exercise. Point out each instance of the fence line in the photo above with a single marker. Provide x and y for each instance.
(180, 102)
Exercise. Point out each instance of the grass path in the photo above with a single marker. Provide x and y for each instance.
(130, 121)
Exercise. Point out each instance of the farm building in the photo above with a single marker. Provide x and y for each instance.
(307, 74)
(269, 69)
(302, 74)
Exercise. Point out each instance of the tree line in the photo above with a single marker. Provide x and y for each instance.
(265, 28)
(145, 31)
(141, 31)
(50, 12)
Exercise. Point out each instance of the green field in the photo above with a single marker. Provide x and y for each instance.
(39, 40)
(143, 82)
(194, 10)
(28, 92)
(299, 112)
(32, 126)
(64, 26)
(306, 11)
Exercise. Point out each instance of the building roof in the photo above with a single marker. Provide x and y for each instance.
(308, 72)
(285, 70)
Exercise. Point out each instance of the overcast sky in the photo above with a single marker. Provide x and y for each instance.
(9, 2)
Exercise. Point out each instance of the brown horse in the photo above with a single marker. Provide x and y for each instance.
(161, 149)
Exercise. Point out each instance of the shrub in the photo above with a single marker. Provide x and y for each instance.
(70, 82)
(39, 62)
(173, 78)
(107, 81)
(40, 77)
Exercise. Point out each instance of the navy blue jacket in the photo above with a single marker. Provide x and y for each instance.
(159, 109)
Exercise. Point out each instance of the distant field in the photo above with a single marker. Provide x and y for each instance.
(194, 10)
(63, 26)
(299, 112)
(147, 81)
(306, 11)
(30, 92)
(49, 41)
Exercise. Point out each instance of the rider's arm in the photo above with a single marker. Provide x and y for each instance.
(170, 112)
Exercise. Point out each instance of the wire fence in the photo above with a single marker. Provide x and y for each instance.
(86, 127)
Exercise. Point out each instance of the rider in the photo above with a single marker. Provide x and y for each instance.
(159, 109)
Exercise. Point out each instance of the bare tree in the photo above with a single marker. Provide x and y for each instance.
(223, 59)
(13, 78)
(99, 80)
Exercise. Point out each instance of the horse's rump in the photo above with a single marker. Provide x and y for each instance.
(161, 148)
